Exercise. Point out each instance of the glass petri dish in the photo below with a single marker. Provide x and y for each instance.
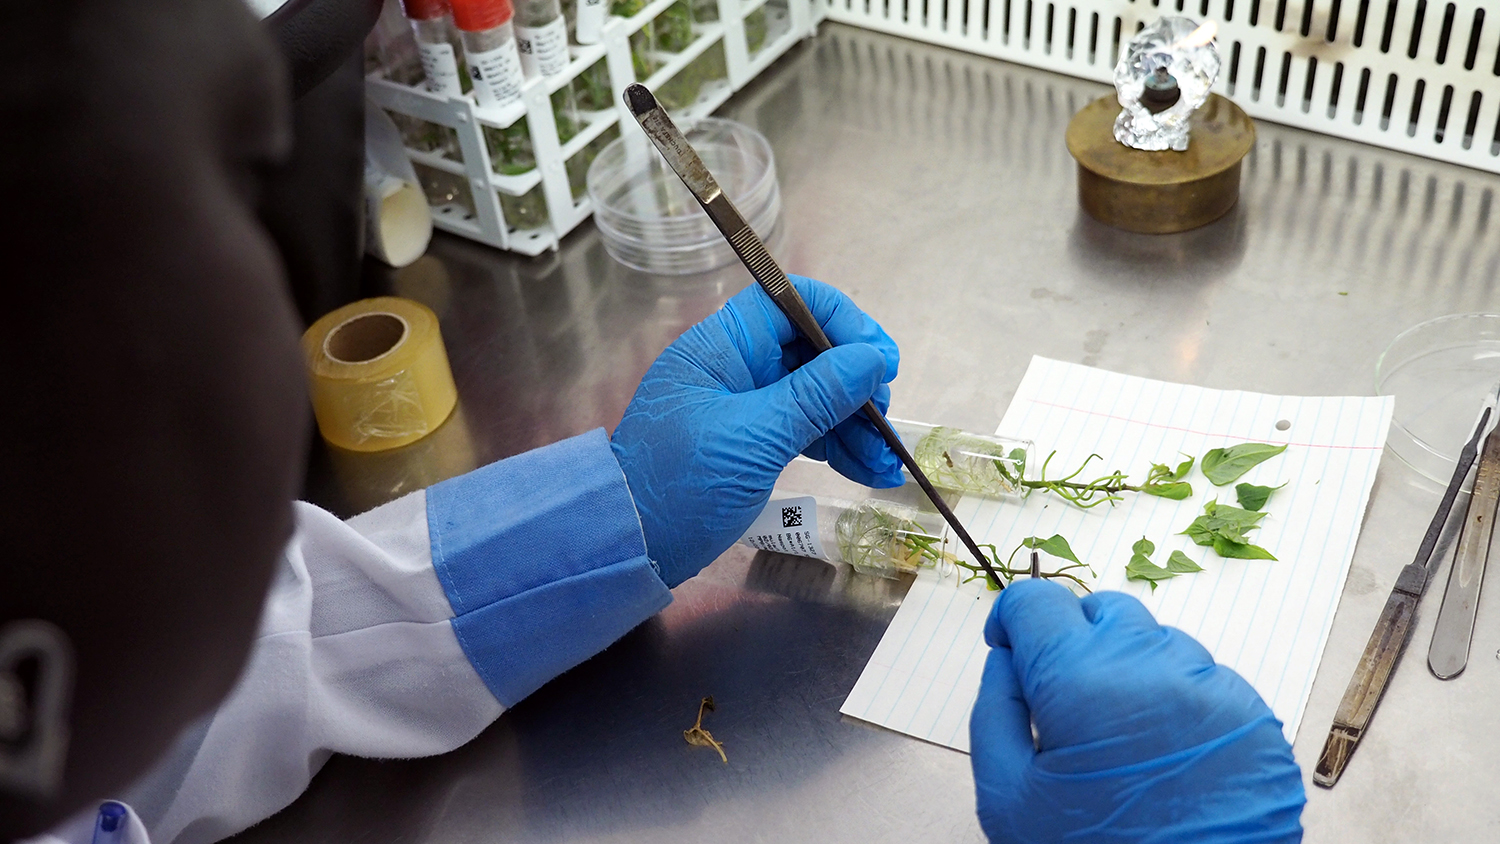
(1440, 372)
(649, 220)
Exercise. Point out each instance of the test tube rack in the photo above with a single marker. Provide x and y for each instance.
(786, 22)
(1409, 75)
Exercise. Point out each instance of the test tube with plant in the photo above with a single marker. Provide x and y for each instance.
(424, 136)
(541, 37)
(673, 28)
(958, 461)
(683, 90)
(528, 211)
(510, 148)
(756, 28)
(591, 91)
(438, 45)
(390, 50)
(489, 42)
(889, 539)
(578, 165)
(444, 189)
(565, 114)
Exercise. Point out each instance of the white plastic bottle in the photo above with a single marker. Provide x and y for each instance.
(541, 37)
(489, 42)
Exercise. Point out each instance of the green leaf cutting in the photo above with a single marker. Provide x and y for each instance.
(1181, 563)
(1224, 465)
(1140, 566)
(1055, 545)
(1183, 468)
(1175, 491)
(1223, 528)
(1226, 547)
(1253, 497)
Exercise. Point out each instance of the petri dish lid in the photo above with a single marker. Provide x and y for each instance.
(1440, 373)
(634, 189)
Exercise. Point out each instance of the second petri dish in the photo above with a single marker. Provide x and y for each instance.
(651, 222)
(1440, 372)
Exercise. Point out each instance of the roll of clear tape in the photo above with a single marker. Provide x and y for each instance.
(378, 374)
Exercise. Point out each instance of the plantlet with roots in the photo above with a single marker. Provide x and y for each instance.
(960, 461)
(880, 539)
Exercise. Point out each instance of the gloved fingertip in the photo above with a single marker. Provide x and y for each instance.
(1032, 610)
(834, 385)
(1116, 609)
(817, 449)
(1000, 744)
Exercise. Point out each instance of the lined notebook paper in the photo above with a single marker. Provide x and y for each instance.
(1267, 620)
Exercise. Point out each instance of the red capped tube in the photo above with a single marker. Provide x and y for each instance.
(424, 10)
(481, 15)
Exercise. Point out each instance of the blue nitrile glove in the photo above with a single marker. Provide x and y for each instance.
(1142, 737)
(717, 417)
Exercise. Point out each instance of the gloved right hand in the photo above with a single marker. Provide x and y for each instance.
(1141, 737)
(724, 409)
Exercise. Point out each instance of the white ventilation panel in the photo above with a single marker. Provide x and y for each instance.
(1412, 75)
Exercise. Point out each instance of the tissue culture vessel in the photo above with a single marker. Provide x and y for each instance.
(438, 45)
(489, 42)
(959, 461)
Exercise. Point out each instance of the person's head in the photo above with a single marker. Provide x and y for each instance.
(156, 421)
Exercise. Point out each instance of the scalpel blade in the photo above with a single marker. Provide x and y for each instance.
(1449, 653)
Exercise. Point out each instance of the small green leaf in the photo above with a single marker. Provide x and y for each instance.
(1018, 459)
(1240, 550)
(1253, 497)
(1141, 568)
(1056, 545)
(1199, 532)
(1183, 468)
(1233, 534)
(1223, 465)
(1221, 523)
(1223, 514)
(1175, 491)
(1180, 563)
(1144, 547)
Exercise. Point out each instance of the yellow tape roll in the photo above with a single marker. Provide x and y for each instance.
(378, 373)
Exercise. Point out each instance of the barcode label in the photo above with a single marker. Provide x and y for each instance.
(787, 526)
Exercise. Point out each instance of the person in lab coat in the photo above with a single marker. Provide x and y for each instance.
(176, 633)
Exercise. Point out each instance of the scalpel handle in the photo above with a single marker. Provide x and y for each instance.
(1387, 642)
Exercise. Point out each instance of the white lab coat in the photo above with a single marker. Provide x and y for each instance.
(404, 632)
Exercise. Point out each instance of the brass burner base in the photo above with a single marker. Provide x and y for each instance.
(1160, 192)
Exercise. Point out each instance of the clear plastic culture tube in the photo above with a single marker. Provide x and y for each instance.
(958, 461)
(489, 42)
(438, 46)
(541, 37)
(875, 537)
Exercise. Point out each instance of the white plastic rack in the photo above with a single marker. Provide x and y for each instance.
(481, 214)
(1419, 76)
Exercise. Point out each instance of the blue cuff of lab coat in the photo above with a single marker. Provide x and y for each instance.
(543, 561)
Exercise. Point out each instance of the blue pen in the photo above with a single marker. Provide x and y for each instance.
(109, 828)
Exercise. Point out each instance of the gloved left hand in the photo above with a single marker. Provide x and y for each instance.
(724, 409)
(1140, 736)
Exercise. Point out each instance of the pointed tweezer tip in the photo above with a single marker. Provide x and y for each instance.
(639, 99)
